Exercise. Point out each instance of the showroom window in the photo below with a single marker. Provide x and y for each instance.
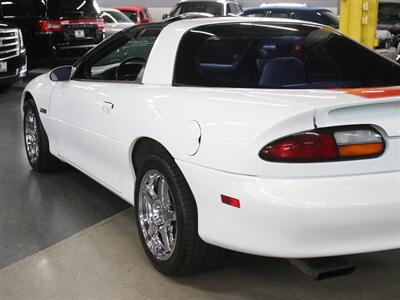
(279, 55)
(127, 55)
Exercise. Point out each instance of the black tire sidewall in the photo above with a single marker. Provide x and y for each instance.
(170, 266)
(32, 106)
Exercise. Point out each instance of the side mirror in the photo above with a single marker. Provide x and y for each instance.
(165, 16)
(63, 73)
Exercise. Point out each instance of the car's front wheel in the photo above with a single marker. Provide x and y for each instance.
(36, 141)
(167, 220)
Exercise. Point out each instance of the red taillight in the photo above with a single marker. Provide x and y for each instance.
(100, 24)
(49, 26)
(329, 144)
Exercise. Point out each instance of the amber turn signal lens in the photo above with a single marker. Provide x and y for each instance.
(361, 150)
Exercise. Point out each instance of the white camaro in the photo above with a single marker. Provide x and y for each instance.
(271, 137)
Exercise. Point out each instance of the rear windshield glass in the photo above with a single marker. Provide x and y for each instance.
(73, 9)
(278, 55)
(215, 9)
(132, 15)
(389, 12)
(328, 18)
(117, 16)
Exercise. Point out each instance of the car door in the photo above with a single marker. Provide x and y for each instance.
(84, 111)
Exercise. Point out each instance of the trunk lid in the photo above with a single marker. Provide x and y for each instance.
(373, 106)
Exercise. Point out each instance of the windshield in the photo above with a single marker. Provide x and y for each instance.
(279, 55)
(329, 18)
(389, 12)
(215, 9)
(118, 17)
(132, 15)
(73, 9)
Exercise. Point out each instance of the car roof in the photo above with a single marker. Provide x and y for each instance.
(292, 6)
(188, 24)
(130, 8)
(106, 9)
(218, 1)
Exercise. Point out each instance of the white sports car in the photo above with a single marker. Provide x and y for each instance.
(265, 136)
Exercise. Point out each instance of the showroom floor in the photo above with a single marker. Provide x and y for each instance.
(63, 236)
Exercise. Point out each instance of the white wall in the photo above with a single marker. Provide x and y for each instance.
(159, 7)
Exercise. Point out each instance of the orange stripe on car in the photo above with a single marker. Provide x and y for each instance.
(373, 93)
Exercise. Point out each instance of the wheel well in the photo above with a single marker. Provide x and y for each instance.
(144, 147)
(27, 96)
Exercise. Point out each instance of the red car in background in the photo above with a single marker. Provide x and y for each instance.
(138, 15)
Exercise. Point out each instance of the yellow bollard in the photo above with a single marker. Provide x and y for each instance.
(359, 20)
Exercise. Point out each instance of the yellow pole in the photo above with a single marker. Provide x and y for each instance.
(359, 20)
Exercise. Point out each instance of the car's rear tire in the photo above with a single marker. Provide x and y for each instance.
(36, 141)
(166, 215)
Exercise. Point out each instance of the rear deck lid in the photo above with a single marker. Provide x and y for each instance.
(373, 106)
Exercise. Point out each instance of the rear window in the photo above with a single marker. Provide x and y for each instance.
(278, 55)
(73, 9)
(215, 9)
(132, 15)
(389, 12)
(116, 17)
(328, 18)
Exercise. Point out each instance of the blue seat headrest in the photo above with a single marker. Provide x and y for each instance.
(283, 71)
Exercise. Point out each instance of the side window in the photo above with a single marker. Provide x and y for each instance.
(279, 14)
(123, 62)
(141, 16)
(234, 8)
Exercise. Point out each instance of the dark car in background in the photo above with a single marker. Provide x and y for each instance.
(219, 8)
(312, 14)
(389, 18)
(55, 29)
(295, 11)
(13, 62)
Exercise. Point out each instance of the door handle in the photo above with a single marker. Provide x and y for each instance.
(107, 107)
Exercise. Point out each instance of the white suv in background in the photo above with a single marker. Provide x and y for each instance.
(216, 8)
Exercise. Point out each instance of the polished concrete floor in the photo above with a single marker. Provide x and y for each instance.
(62, 236)
(38, 210)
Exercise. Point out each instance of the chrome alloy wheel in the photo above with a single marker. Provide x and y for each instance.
(31, 135)
(157, 215)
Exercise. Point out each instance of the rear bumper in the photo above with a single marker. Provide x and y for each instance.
(297, 218)
(17, 69)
